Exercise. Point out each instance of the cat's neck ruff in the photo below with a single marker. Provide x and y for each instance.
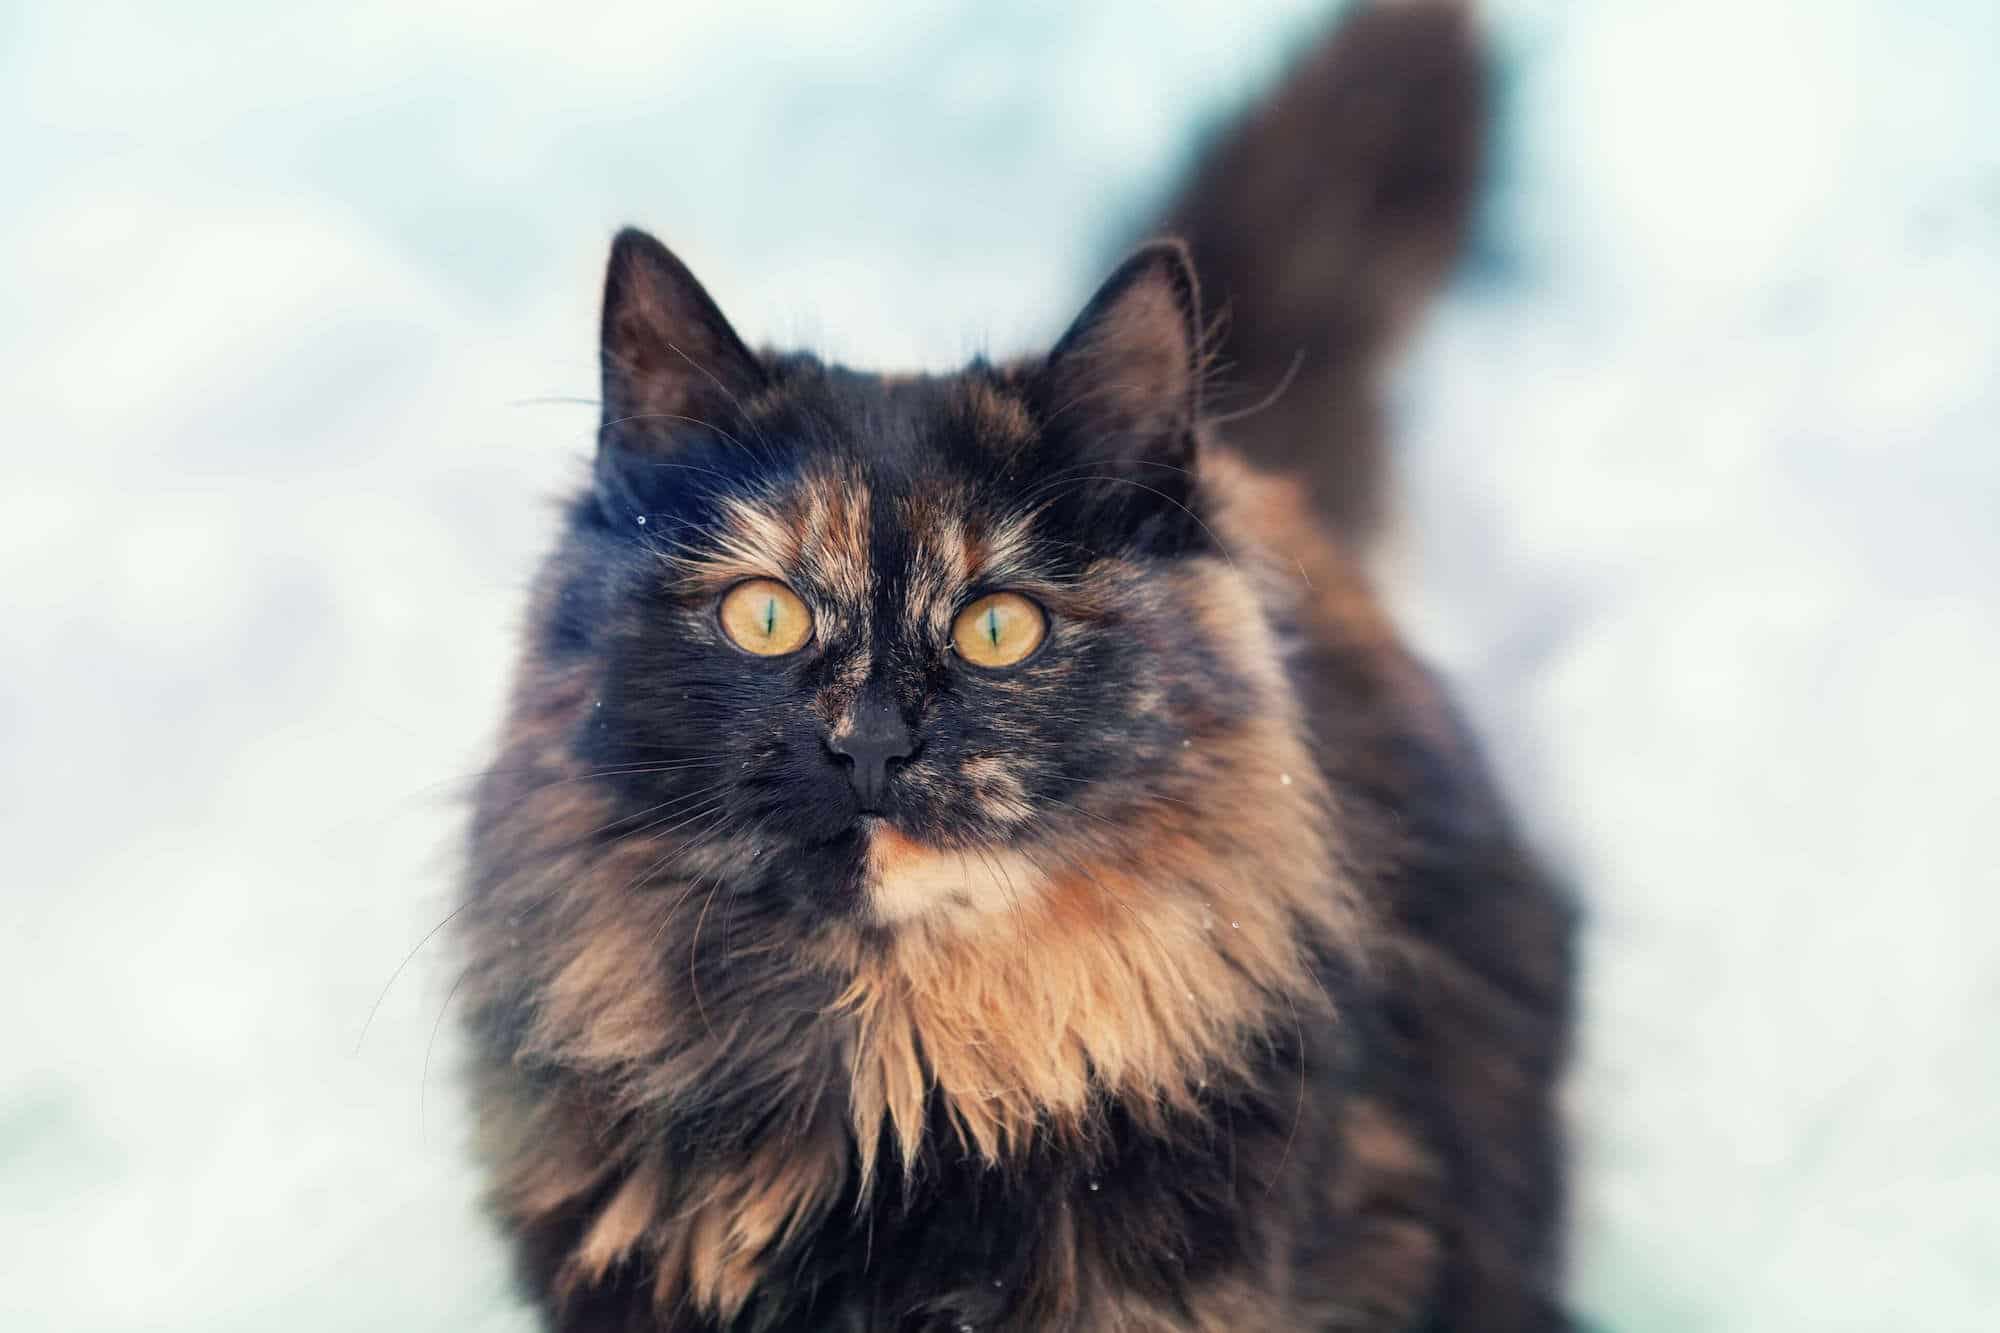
(1021, 985)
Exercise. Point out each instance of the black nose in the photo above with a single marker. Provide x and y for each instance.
(878, 740)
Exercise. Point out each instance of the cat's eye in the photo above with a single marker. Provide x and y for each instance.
(999, 630)
(764, 617)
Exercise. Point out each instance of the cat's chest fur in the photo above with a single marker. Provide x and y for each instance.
(1011, 1117)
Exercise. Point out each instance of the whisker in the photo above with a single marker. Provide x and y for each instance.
(1201, 522)
(1148, 796)
(384, 993)
(1101, 389)
(1298, 1113)
(640, 771)
(684, 816)
(719, 812)
(724, 389)
(675, 416)
(687, 891)
(424, 1082)
(375, 815)
(1061, 473)
(694, 979)
(629, 769)
(681, 801)
(1088, 814)
(1268, 400)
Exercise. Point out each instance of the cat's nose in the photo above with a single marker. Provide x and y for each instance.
(871, 747)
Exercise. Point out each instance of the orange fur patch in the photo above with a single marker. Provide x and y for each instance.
(715, 1254)
(622, 1223)
(1138, 973)
(815, 539)
(1004, 417)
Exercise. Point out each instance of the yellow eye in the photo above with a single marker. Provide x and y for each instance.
(998, 630)
(764, 617)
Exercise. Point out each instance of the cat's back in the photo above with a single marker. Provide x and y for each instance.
(1452, 1164)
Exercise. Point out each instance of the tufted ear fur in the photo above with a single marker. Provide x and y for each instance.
(1124, 383)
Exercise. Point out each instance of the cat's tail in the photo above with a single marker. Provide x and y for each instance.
(1320, 221)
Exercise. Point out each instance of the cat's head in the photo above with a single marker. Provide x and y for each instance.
(898, 647)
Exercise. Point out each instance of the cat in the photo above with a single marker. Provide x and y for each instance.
(970, 852)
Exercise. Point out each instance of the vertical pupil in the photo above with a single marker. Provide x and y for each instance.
(993, 625)
(770, 616)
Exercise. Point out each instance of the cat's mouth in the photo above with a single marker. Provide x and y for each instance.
(883, 844)
(861, 830)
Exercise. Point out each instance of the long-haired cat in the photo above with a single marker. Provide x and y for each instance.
(969, 852)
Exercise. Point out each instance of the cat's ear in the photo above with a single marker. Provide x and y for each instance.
(669, 359)
(1124, 383)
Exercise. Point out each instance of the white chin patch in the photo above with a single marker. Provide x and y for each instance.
(908, 881)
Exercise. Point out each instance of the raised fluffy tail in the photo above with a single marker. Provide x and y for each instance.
(1320, 221)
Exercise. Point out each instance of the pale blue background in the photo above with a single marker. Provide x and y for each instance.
(1701, 465)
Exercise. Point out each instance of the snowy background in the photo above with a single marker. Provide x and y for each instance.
(1702, 470)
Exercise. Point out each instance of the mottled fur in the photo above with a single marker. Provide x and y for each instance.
(1190, 977)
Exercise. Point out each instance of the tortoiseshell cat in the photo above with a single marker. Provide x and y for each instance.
(968, 851)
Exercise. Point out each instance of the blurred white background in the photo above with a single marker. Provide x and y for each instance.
(1701, 465)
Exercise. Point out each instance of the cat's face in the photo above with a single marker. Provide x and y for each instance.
(895, 647)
